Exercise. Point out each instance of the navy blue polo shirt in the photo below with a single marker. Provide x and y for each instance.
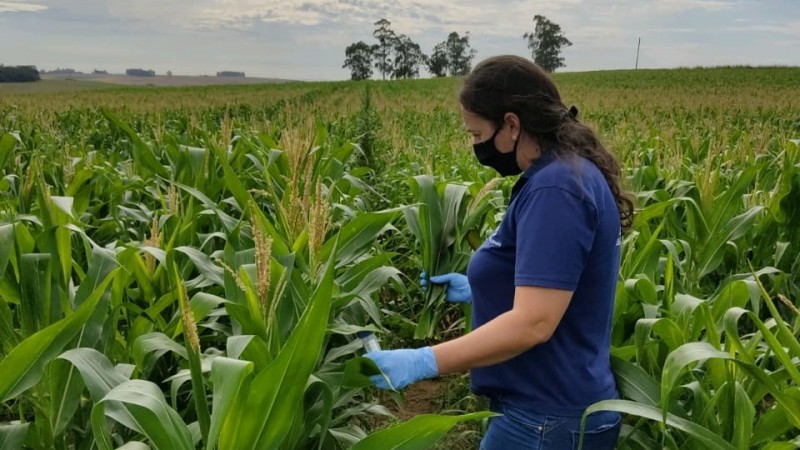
(562, 231)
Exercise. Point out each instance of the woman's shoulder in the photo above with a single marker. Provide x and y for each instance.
(571, 173)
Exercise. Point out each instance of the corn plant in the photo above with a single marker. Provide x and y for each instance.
(447, 222)
(252, 282)
(230, 207)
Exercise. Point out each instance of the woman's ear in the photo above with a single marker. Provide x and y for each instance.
(512, 120)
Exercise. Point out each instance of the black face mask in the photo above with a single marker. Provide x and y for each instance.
(488, 155)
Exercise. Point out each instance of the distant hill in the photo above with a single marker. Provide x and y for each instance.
(163, 80)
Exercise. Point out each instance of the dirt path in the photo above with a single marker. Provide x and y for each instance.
(423, 397)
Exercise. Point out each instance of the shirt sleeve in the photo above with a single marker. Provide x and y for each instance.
(555, 230)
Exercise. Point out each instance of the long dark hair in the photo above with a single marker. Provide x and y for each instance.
(508, 83)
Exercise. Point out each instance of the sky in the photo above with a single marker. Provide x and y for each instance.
(305, 39)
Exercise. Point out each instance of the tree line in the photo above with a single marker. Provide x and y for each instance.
(398, 56)
(12, 74)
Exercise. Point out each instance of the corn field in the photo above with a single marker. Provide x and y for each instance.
(188, 268)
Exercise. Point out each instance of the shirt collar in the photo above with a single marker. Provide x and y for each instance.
(538, 164)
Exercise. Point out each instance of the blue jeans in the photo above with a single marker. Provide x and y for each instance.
(519, 429)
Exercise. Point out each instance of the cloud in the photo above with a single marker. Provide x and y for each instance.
(245, 13)
(411, 16)
(674, 6)
(789, 29)
(20, 6)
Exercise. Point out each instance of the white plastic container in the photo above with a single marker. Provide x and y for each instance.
(369, 341)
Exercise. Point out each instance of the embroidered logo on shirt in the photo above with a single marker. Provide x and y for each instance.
(492, 241)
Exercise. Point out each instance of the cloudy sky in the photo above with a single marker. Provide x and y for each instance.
(305, 39)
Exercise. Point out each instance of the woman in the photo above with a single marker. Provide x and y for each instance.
(542, 286)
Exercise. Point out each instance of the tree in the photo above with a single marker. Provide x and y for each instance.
(386, 39)
(437, 62)
(408, 57)
(459, 54)
(358, 58)
(452, 57)
(546, 43)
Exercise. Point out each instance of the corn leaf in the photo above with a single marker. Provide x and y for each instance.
(65, 385)
(36, 294)
(228, 377)
(6, 246)
(744, 414)
(8, 143)
(97, 372)
(357, 236)
(142, 153)
(262, 414)
(419, 433)
(22, 368)
(707, 438)
(12, 437)
(134, 445)
(678, 360)
(140, 406)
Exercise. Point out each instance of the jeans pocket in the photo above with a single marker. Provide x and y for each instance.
(527, 419)
(600, 435)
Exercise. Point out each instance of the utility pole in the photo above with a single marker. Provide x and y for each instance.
(637, 52)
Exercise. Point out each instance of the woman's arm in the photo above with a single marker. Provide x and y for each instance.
(532, 321)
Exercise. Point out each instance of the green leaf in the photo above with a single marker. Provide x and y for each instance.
(634, 383)
(705, 437)
(642, 289)
(148, 348)
(6, 246)
(12, 437)
(97, 372)
(780, 446)
(201, 305)
(357, 372)
(711, 256)
(64, 204)
(229, 223)
(134, 445)
(419, 433)
(317, 420)
(653, 211)
(770, 426)
(743, 415)
(65, 386)
(678, 360)
(141, 406)
(357, 236)
(22, 368)
(142, 153)
(36, 302)
(203, 264)
(263, 414)
(228, 377)
(8, 143)
(731, 320)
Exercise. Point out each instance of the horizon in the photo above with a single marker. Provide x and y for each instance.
(282, 39)
(426, 76)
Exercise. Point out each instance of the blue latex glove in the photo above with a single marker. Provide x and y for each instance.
(403, 367)
(458, 290)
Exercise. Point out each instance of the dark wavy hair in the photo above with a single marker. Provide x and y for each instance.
(507, 83)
